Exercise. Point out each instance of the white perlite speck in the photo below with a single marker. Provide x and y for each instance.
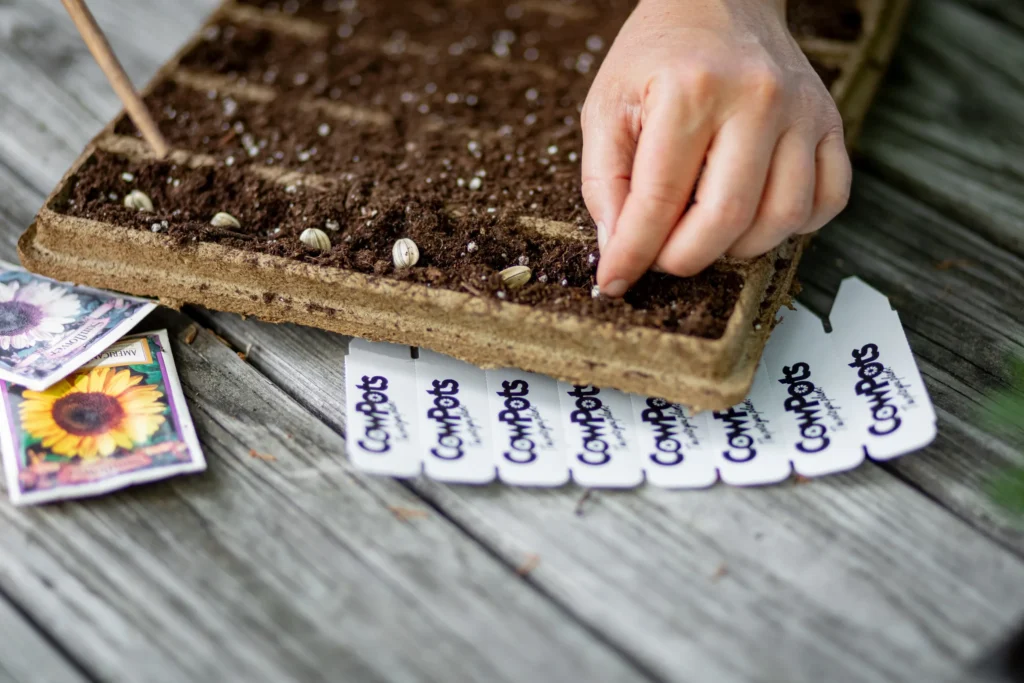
(476, 183)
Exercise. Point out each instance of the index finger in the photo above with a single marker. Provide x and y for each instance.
(608, 150)
(670, 152)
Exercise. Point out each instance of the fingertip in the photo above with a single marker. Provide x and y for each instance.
(615, 289)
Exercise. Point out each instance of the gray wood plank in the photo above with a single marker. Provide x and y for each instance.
(802, 564)
(947, 123)
(853, 576)
(26, 656)
(1010, 13)
(964, 322)
(53, 89)
(295, 568)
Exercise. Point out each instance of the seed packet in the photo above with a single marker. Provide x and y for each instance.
(119, 420)
(49, 329)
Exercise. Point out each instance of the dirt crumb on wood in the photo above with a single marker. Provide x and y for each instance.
(253, 453)
(579, 510)
(404, 514)
(528, 564)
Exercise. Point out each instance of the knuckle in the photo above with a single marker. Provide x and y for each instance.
(679, 265)
(765, 84)
(730, 214)
(659, 196)
(698, 81)
(835, 200)
(834, 130)
(790, 215)
(693, 80)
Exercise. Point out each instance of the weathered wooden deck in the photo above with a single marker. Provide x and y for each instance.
(300, 569)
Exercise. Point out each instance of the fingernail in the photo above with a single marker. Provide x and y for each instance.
(602, 235)
(615, 288)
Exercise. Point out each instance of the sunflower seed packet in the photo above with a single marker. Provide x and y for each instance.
(49, 329)
(118, 420)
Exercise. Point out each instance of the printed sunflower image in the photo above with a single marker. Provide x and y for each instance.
(93, 414)
(118, 421)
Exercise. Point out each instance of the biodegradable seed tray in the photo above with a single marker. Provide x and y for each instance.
(451, 122)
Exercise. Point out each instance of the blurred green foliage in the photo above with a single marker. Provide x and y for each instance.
(1004, 413)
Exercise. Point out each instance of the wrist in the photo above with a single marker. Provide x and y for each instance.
(778, 6)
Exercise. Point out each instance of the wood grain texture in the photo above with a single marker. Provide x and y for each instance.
(961, 301)
(27, 656)
(99, 46)
(664, 550)
(295, 568)
(947, 124)
(270, 570)
(278, 563)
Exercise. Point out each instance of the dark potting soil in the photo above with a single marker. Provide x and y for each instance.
(482, 130)
(460, 249)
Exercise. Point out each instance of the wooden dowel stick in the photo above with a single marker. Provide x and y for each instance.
(104, 55)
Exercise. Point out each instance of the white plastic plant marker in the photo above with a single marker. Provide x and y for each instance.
(819, 430)
(878, 375)
(747, 439)
(600, 436)
(820, 404)
(380, 388)
(674, 444)
(455, 427)
(526, 426)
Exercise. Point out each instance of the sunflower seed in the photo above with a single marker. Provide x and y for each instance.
(138, 200)
(315, 239)
(516, 276)
(225, 220)
(405, 253)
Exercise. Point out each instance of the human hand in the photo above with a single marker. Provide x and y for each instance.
(716, 89)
